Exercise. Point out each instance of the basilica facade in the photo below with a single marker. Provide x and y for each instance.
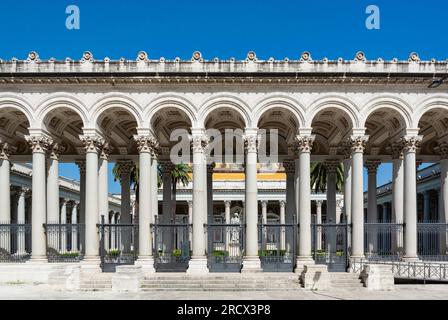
(346, 114)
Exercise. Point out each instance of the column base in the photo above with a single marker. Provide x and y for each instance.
(91, 265)
(303, 261)
(251, 265)
(146, 263)
(411, 259)
(198, 266)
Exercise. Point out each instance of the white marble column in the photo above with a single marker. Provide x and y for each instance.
(154, 187)
(331, 167)
(372, 202)
(39, 146)
(227, 205)
(21, 221)
(410, 145)
(82, 205)
(146, 147)
(264, 212)
(443, 195)
(103, 183)
(63, 221)
(53, 204)
(198, 262)
(209, 190)
(318, 222)
(251, 261)
(290, 171)
(304, 145)
(5, 196)
(93, 146)
(358, 146)
(282, 222)
(125, 167)
(397, 195)
(167, 207)
(348, 188)
(113, 234)
(297, 185)
(75, 230)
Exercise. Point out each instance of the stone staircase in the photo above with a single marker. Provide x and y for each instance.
(222, 282)
(342, 280)
(95, 282)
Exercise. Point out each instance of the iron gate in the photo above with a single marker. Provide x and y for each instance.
(225, 247)
(118, 245)
(171, 246)
(330, 245)
(278, 247)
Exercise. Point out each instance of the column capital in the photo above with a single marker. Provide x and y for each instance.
(190, 204)
(264, 204)
(65, 202)
(55, 150)
(147, 144)
(92, 143)
(39, 144)
(251, 141)
(332, 165)
(81, 163)
(105, 151)
(126, 166)
(319, 203)
(372, 166)
(210, 168)
(358, 143)
(442, 150)
(199, 142)
(396, 148)
(304, 143)
(282, 203)
(411, 143)
(4, 151)
(228, 203)
(167, 166)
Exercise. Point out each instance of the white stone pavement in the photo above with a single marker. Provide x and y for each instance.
(18, 291)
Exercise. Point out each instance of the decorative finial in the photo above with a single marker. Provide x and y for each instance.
(414, 57)
(87, 57)
(360, 56)
(197, 56)
(251, 56)
(142, 56)
(306, 56)
(33, 56)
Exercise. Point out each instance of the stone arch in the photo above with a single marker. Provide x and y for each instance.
(20, 104)
(278, 101)
(62, 101)
(116, 101)
(224, 101)
(439, 102)
(341, 103)
(387, 102)
(169, 100)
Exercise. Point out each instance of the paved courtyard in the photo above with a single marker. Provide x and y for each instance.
(18, 291)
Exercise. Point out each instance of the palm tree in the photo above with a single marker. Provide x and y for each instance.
(181, 174)
(319, 177)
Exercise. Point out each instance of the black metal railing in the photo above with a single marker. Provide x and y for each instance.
(172, 243)
(15, 243)
(432, 241)
(118, 245)
(225, 248)
(383, 240)
(330, 245)
(64, 242)
(278, 247)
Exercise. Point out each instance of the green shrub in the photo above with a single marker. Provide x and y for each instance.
(114, 253)
(220, 253)
(177, 253)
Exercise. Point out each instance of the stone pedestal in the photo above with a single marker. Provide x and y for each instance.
(91, 266)
(378, 277)
(251, 265)
(198, 266)
(127, 279)
(147, 265)
(315, 277)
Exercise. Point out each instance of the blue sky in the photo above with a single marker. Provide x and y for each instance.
(224, 29)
